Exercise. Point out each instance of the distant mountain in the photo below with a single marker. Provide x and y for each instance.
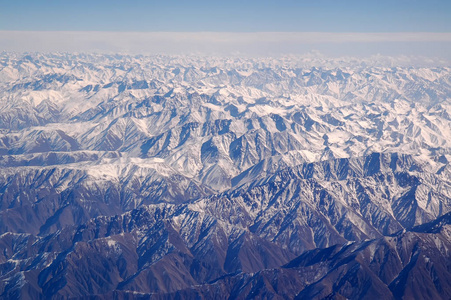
(164, 177)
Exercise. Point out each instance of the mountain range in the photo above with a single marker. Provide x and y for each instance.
(168, 177)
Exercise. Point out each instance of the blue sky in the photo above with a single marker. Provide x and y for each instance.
(227, 16)
(339, 27)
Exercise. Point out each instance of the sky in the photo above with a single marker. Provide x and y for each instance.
(231, 15)
(99, 25)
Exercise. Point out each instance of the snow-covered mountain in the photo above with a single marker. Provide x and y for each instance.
(210, 168)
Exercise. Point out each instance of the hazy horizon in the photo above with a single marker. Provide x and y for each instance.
(433, 45)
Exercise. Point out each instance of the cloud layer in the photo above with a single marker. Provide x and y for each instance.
(226, 43)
